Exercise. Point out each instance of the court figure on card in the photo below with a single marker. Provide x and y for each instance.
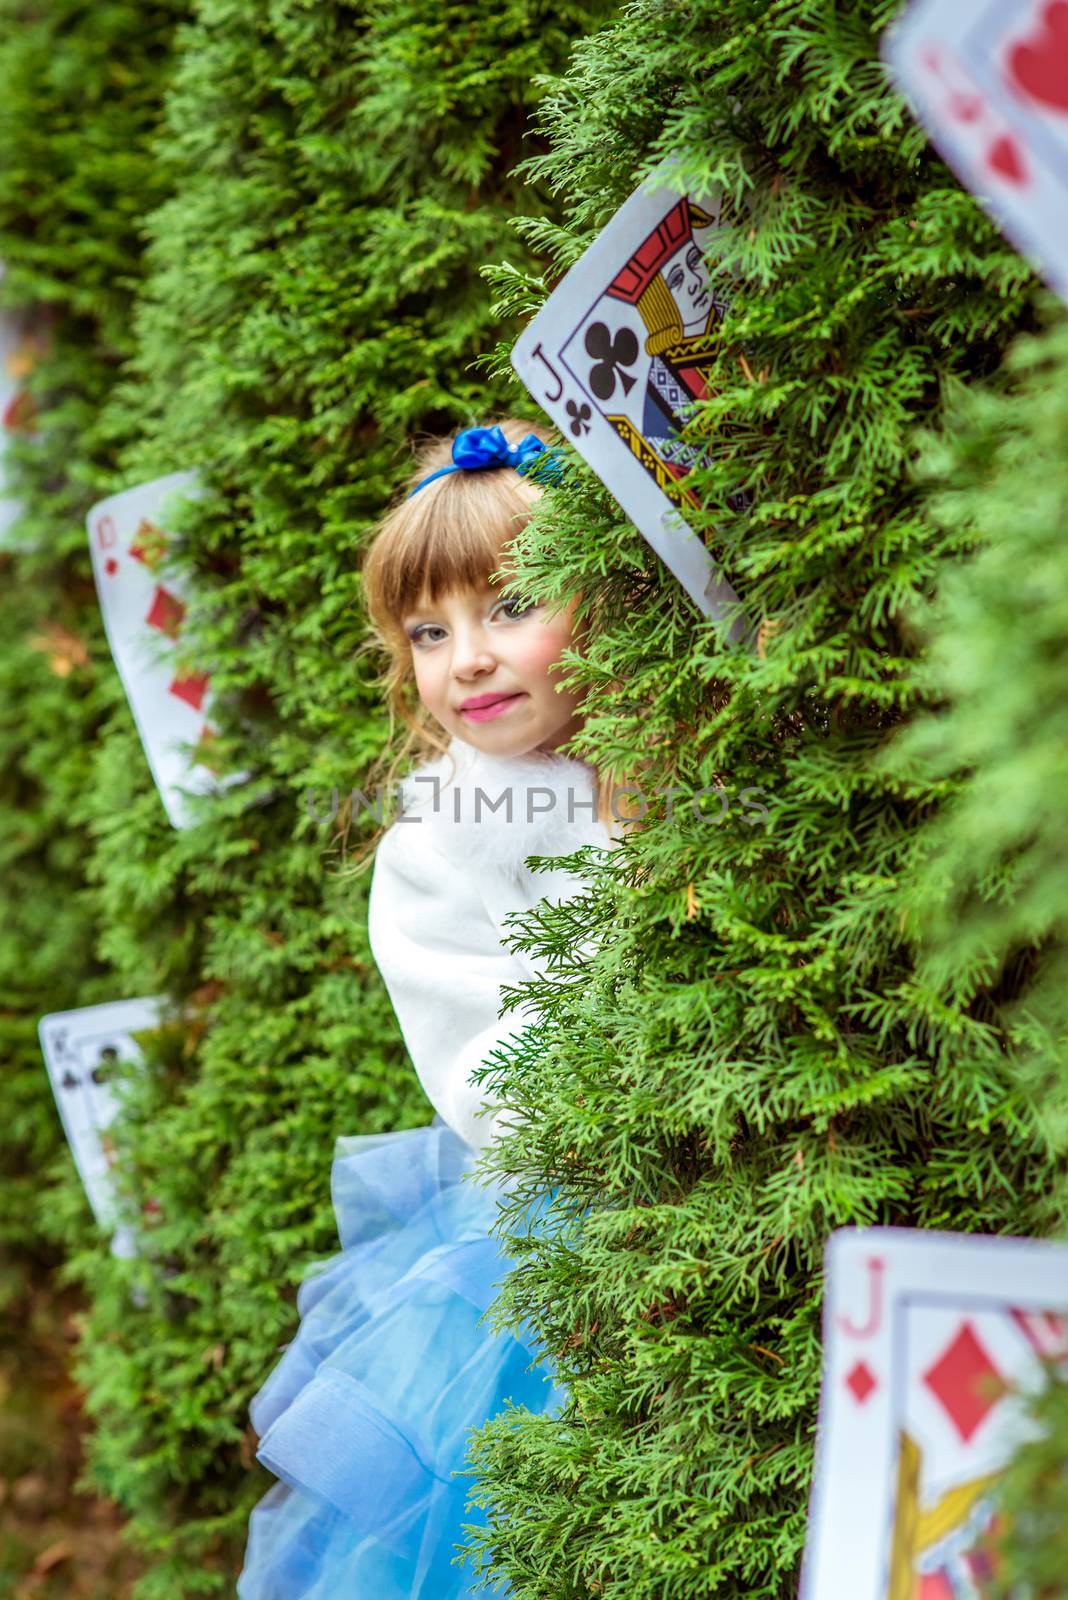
(941, 1552)
(621, 354)
(667, 282)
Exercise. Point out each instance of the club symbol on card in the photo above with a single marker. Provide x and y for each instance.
(965, 1381)
(861, 1382)
(108, 1056)
(1038, 67)
(611, 353)
(579, 417)
(68, 1080)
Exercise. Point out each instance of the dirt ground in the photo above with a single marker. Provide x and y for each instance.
(54, 1541)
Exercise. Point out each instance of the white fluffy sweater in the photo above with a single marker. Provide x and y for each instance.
(446, 874)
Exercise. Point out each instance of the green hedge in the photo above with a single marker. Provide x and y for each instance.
(988, 892)
(82, 95)
(757, 1053)
(755, 1057)
(313, 298)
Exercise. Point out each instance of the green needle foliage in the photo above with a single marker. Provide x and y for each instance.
(741, 1045)
(754, 1055)
(988, 891)
(341, 174)
(82, 93)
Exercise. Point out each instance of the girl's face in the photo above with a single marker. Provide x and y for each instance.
(481, 659)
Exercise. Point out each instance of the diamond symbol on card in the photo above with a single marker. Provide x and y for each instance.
(862, 1382)
(192, 689)
(165, 612)
(965, 1381)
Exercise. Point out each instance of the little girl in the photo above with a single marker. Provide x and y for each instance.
(366, 1417)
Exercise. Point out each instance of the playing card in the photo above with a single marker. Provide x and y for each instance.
(143, 607)
(21, 346)
(989, 80)
(617, 357)
(932, 1341)
(78, 1047)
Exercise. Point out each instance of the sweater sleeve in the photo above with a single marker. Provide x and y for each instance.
(443, 965)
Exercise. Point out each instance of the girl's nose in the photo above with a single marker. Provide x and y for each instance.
(471, 654)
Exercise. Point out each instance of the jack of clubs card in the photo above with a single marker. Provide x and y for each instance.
(618, 356)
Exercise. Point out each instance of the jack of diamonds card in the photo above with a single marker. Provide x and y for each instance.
(989, 80)
(617, 357)
(143, 611)
(78, 1048)
(932, 1341)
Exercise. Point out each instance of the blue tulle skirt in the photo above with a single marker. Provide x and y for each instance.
(366, 1418)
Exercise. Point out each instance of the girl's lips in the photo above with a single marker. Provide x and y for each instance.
(485, 713)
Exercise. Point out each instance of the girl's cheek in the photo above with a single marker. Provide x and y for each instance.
(543, 647)
(424, 680)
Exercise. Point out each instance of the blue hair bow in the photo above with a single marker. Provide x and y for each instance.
(474, 449)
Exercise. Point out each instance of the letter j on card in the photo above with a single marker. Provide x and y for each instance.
(618, 356)
(932, 1344)
(989, 81)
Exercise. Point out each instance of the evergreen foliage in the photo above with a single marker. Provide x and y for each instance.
(986, 894)
(81, 100)
(754, 1056)
(758, 1050)
(313, 298)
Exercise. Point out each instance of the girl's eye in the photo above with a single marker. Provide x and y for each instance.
(420, 633)
(515, 606)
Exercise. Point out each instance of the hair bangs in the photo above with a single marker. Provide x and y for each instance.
(447, 545)
(450, 535)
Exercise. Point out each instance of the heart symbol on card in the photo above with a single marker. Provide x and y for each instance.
(965, 107)
(1006, 159)
(1038, 67)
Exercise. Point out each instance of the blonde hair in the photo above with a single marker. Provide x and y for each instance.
(451, 535)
